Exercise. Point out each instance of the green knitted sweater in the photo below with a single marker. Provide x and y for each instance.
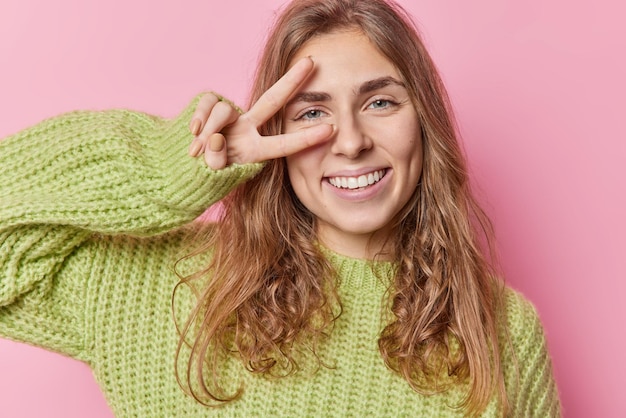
(94, 209)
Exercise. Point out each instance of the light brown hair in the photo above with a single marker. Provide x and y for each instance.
(271, 293)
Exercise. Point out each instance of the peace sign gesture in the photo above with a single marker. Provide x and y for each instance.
(226, 136)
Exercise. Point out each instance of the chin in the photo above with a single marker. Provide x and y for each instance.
(357, 228)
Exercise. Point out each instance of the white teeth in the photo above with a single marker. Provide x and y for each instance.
(357, 182)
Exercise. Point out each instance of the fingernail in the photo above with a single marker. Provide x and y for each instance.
(217, 142)
(194, 126)
(195, 147)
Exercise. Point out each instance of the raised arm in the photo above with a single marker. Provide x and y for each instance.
(82, 178)
(113, 172)
(70, 180)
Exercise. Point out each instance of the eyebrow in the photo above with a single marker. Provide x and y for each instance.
(366, 87)
(379, 83)
(309, 96)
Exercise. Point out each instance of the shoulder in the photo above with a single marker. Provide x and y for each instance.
(525, 357)
(520, 317)
(520, 324)
(522, 336)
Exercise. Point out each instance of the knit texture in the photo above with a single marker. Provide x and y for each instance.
(95, 207)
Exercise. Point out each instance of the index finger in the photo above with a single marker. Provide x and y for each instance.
(276, 96)
(284, 145)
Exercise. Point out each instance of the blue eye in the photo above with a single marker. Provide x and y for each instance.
(311, 114)
(380, 104)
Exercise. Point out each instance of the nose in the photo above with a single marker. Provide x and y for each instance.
(350, 139)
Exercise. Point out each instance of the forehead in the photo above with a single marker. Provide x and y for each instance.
(346, 56)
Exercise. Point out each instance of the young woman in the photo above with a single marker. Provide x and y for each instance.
(343, 277)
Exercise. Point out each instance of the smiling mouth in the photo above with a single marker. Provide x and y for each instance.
(352, 183)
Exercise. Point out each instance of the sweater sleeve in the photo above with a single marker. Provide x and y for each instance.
(533, 391)
(112, 172)
(91, 173)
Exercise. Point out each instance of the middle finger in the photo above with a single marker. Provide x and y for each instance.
(276, 96)
(222, 115)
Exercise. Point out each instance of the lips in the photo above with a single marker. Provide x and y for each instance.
(363, 180)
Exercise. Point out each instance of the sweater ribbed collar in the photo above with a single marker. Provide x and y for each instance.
(360, 274)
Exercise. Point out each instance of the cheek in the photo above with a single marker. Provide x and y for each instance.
(300, 167)
(407, 146)
(306, 162)
(295, 164)
(301, 177)
(417, 153)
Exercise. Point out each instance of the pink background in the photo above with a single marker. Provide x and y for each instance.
(539, 91)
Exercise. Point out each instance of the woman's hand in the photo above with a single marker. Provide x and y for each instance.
(226, 136)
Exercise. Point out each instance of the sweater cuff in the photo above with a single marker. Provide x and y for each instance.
(187, 182)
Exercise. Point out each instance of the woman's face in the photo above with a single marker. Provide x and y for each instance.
(359, 180)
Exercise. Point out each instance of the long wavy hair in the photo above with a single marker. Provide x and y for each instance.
(271, 294)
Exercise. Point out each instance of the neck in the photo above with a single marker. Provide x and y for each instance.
(371, 246)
